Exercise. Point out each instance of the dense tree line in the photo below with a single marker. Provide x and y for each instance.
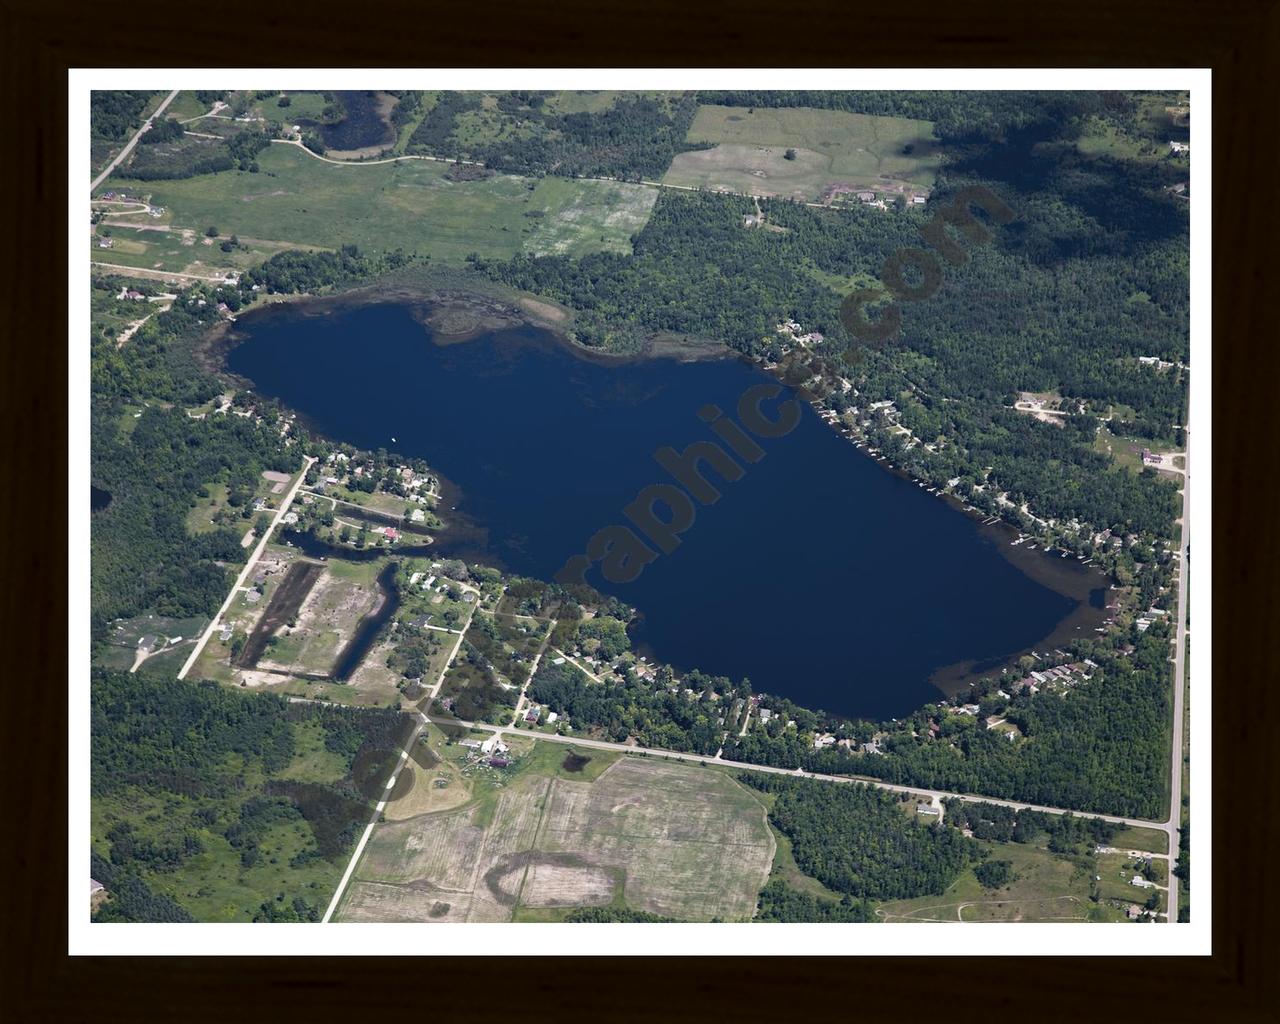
(613, 915)
(114, 113)
(858, 840)
(177, 737)
(997, 823)
(130, 898)
(781, 903)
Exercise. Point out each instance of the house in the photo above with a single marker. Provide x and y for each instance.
(825, 740)
(765, 713)
(551, 717)
(1179, 147)
(418, 516)
(493, 743)
(392, 533)
(865, 197)
(106, 243)
(473, 744)
(871, 747)
(413, 580)
(1142, 883)
(95, 887)
(927, 809)
(919, 200)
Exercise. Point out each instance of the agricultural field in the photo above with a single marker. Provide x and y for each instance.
(1045, 887)
(671, 839)
(833, 151)
(300, 201)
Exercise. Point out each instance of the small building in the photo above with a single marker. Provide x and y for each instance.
(865, 197)
(499, 762)
(472, 744)
(919, 200)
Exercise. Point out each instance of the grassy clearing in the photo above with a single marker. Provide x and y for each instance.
(1046, 887)
(672, 839)
(593, 216)
(1149, 839)
(830, 147)
(301, 201)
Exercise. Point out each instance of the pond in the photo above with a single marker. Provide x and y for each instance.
(362, 125)
(818, 574)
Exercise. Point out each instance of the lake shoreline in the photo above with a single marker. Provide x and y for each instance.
(456, 312)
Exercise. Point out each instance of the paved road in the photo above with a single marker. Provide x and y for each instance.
(248, 568)
(132, 142)
(1179, 682)
(934, 795)
(368, 829)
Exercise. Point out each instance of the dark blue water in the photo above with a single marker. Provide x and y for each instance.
(819, 575)
(360, 126)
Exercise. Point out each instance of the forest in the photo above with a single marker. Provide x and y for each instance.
(114, 114)
(860, 841)
(779, 902)
(213, 758)
(636, 137)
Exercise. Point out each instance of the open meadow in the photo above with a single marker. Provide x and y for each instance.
(831, 149)
(300, 201)
(1045, 887)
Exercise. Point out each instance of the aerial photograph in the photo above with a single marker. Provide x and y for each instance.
(635, 505)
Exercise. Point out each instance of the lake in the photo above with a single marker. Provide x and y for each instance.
(819, 574)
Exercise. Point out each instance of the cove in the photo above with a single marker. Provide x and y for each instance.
(820, 575)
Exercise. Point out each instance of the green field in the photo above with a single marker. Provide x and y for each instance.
(671, 839)
(1046, 887)
(831, 148)
(301, 201)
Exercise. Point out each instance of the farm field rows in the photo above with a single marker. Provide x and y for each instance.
(670, 839)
